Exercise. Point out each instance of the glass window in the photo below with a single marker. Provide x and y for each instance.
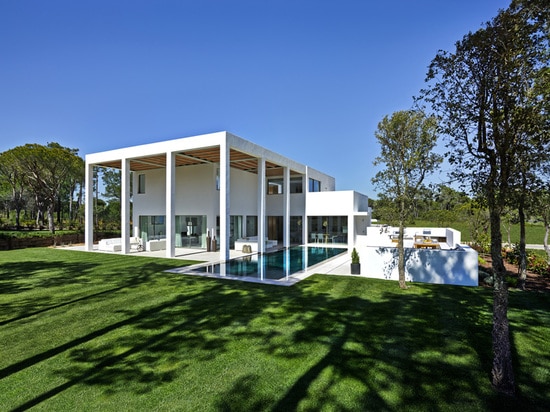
(296, 229)
(328, 229)
(141, 183)
(191, 231)
(251, 226)
(296, 185)
(314, 185)
(235, 230)
(275, 186)
(152, 227)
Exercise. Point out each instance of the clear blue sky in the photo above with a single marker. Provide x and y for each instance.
(309, 79)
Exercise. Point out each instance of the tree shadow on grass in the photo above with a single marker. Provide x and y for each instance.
(529, 347)
(17, 277)
(52, 281)
(337, 348)
(394, 353)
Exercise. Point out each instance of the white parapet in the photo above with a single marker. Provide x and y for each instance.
(458, 266)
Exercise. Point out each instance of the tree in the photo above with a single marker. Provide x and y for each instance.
(111, 183)
(74, 183)
(491, 109)
(384, 209)
(44, 170)
(13, 176)
(406, 139)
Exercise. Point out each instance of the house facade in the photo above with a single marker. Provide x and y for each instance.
(220, 192)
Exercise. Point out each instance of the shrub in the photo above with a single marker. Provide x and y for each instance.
(512, 255)
(354, 257)
(535, 263)
(538, 264)
(512, 281)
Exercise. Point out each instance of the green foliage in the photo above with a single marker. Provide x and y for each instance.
(45, 174)
(111, 183)
(536, 263)
(482, 242)
(28, 234)
(354, 257)
(512, 281)
(512, 255)
(406, 140)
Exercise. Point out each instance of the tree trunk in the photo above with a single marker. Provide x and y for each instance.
(59, 210)
(401, 249)
(51, 223)
(546, 247)
(522, 267)
(39, 218)
(502, 372)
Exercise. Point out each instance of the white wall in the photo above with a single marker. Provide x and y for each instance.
(456, 267)
(329, 203)
(274, 204)
(152, 202)
(360, 202)
(341, 202)
(196, 194)
(243, 191)
(328, 183)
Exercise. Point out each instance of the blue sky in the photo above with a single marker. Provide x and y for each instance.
(309, 79)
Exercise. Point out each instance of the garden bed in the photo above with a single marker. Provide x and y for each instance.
(534, 282)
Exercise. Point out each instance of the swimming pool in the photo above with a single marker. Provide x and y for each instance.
(279, 265)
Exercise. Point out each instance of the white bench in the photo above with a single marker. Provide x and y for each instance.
(115, 244)
(154, 245)
(110, 245)
(252, 241)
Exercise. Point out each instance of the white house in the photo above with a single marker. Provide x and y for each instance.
(187, 192)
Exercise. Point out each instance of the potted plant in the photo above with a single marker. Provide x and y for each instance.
(355, 265)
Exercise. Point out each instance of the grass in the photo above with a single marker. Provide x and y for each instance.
(87, 331)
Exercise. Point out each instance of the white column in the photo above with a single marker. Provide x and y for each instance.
(305, 220)
(224, 201)
(261, 205)
(286, 207)
(351, 231)
(89, 208)
(170, 204)
(125, 207)
(134, 177)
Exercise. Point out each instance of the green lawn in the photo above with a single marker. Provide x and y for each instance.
(97, 332)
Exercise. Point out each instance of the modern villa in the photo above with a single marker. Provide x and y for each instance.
(218, 192)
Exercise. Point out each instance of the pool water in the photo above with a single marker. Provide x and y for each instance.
(272, 266)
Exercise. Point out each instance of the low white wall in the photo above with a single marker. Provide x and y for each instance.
(381, 235)
(454, 267)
